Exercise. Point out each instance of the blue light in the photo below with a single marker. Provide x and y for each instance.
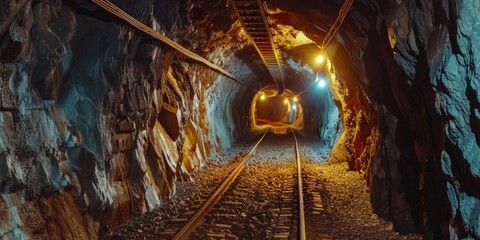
(322, 83)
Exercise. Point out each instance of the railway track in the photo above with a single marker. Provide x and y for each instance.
(261, 201)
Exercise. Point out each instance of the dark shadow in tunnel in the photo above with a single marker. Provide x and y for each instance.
(256, 64)
(169, 121)
(272, 109)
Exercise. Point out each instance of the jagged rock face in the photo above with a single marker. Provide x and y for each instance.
(99, 121)
(405, 77)
(430, 149)
(435, 48)
(420, 77)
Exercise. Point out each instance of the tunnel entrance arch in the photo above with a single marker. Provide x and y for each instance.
(277, 113)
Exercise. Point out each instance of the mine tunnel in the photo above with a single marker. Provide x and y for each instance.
(229, 119)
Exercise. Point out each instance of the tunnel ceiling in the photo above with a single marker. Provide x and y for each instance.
(298, 30)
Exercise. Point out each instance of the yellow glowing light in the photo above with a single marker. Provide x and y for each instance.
(295, 99)
(285, 101)
(320, 59)
(262, 97)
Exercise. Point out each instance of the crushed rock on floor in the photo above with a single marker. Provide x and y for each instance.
(344, 193)
(347, 203)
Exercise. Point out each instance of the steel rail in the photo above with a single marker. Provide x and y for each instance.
(188, 227)
(276, 68)
(252, 15)
(113, 9)
(253, 26)
(301, 212)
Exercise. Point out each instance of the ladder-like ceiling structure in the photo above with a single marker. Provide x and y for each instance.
(253, 17)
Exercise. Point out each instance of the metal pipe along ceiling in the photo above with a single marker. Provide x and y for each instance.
(108, 6)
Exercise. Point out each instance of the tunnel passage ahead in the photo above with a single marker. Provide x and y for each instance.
(276, 112)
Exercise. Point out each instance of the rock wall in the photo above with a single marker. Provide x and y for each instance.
(330, 124)
(419, 73)
(435, 46)
(97, 121)
(404, 75)
(225, 105)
